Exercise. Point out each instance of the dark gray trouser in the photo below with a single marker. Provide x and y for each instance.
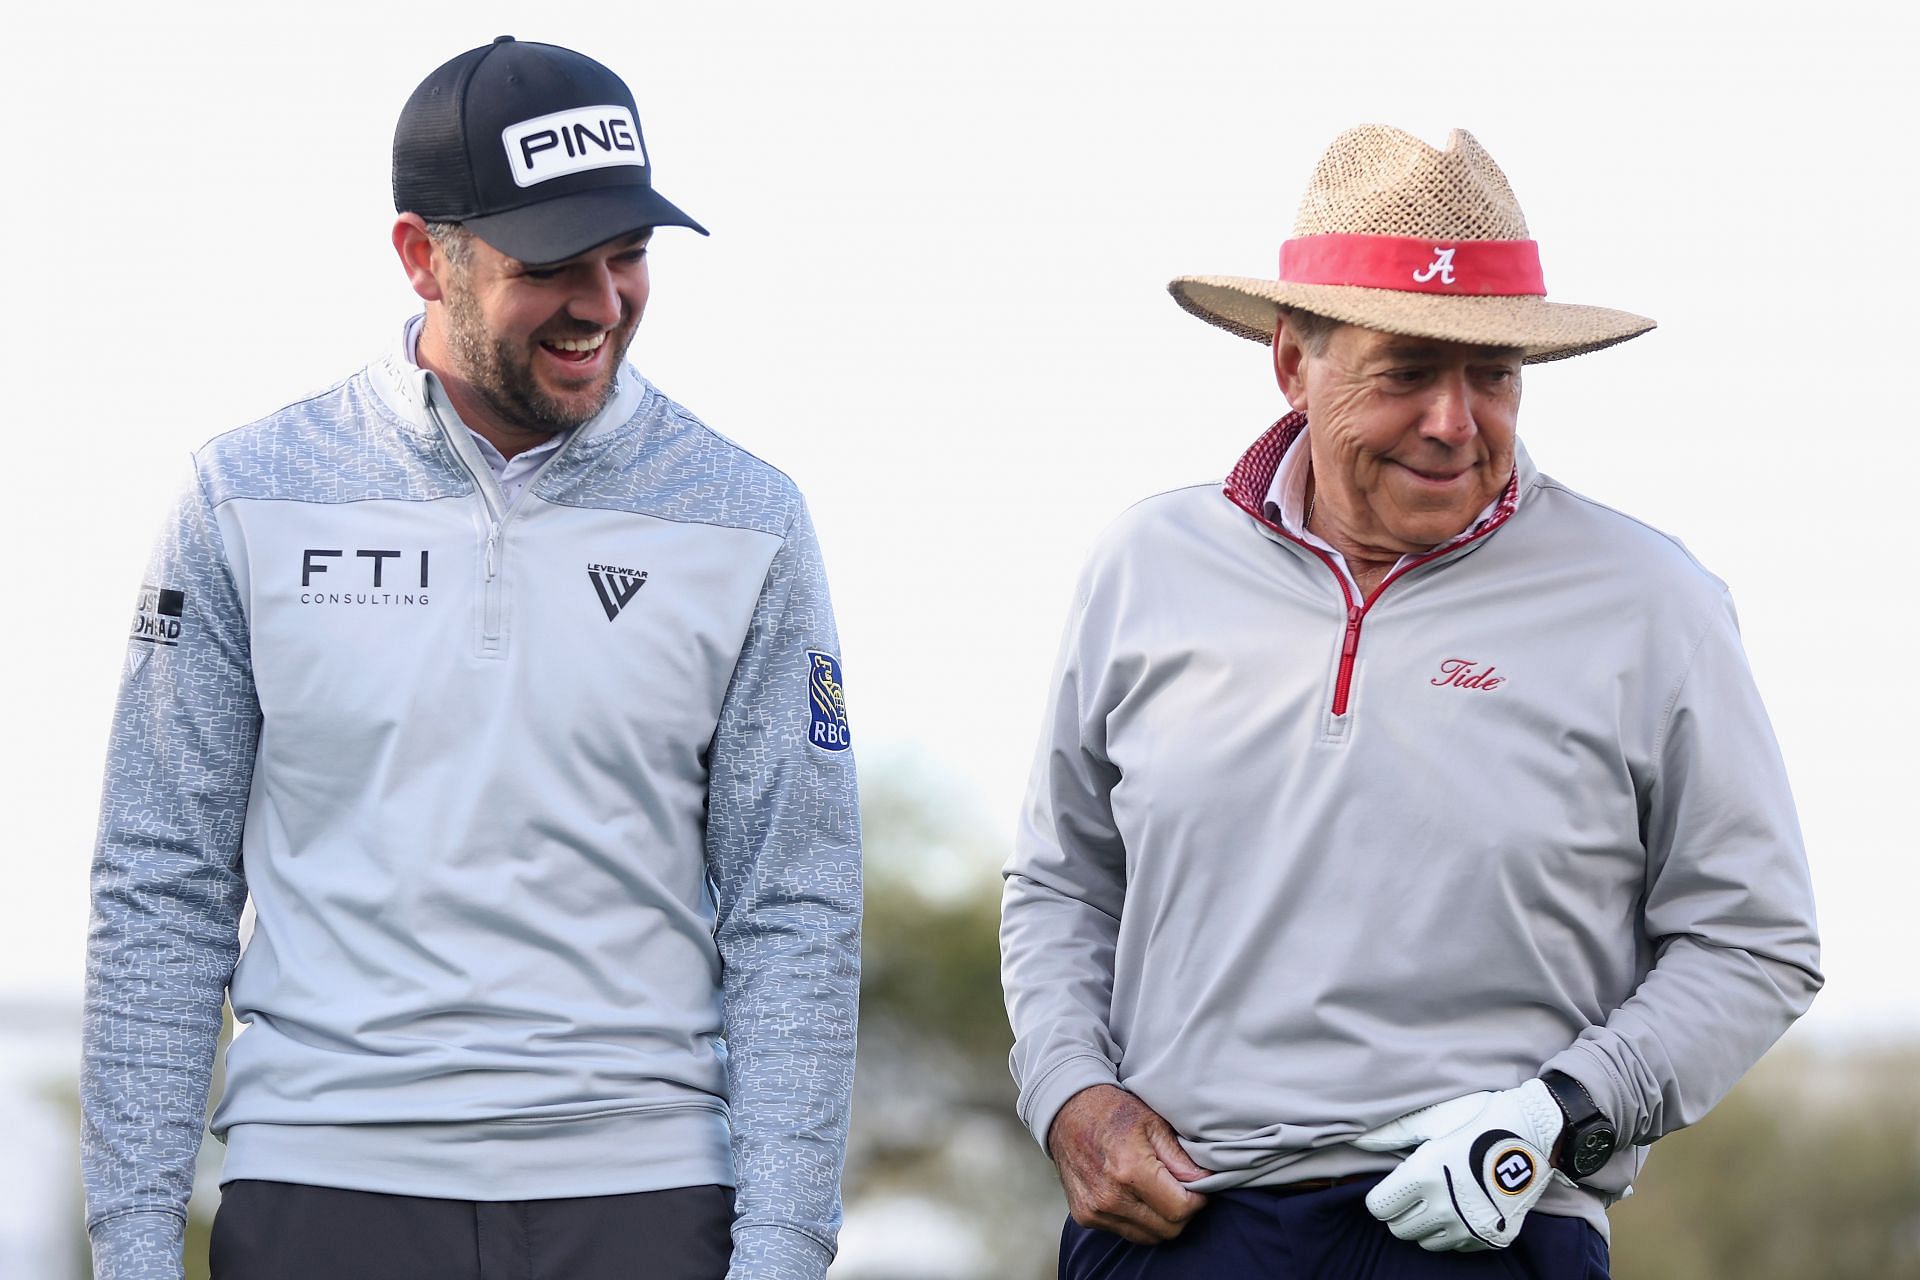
(282, 1231)
(1254, 1234)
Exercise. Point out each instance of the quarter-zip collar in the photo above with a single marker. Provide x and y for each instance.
(1250, 483)
(419, 401)
(403, 386)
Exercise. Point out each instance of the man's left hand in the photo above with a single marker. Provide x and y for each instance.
(1481, 1162)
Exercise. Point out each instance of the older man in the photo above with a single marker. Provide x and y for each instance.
(1407, 847)
(508, 692)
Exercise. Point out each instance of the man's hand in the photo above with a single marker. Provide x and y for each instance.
(1122, 1166)
(1481, 1163)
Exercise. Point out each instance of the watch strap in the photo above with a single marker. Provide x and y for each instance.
(1589, 1140)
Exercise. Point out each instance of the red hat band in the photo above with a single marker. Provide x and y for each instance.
(1486, 267)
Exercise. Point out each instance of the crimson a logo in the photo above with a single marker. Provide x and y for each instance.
(1442, 266)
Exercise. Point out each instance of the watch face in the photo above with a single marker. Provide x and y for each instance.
(1592, 1149)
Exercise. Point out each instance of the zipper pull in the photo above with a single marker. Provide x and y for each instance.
(493, 539)
(1352, 642)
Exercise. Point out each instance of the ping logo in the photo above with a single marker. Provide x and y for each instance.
(156, 619)
(572, 141)
(1513, 1171)
(615, 586)
(1442, 266)
(826, 703)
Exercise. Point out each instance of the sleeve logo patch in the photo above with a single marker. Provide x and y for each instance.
(826, 703)
(156, 619)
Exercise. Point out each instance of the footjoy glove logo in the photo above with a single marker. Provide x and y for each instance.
(1513, 1171)
(615, 586)
(156, 619)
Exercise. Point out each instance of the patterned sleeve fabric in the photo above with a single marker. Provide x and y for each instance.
(783, 850)
(167, 895)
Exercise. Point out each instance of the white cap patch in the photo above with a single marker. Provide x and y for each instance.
(571, 141)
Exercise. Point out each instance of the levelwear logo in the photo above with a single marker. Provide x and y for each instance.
(615, 586)
(365, 576)
(156, 619)
(572, 141)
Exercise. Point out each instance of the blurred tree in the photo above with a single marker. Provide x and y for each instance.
(933, 1117)
(1810, 1167)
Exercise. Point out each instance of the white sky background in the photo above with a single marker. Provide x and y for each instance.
(935, 296)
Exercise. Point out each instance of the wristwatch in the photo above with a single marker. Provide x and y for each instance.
(1589, 1139)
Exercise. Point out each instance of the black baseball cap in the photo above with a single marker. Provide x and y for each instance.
(534, 148)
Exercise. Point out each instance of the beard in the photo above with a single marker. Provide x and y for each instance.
(503, 377)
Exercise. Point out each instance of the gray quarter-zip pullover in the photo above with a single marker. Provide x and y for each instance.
(545, 808)
(1293, 864)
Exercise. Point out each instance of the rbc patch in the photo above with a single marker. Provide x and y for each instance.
(827, 703)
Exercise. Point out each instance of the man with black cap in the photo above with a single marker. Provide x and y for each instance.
(509, 695)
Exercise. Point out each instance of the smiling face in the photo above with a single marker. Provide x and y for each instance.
(526, 351)
(1411, 437)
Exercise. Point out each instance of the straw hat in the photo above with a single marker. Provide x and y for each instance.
(1398, 236)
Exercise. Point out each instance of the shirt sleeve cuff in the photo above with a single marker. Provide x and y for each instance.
(1595, 1074)
(139, 1245)
(777, 1253)
(1052, 1090)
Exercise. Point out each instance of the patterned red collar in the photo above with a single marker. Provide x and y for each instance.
(1252, 477)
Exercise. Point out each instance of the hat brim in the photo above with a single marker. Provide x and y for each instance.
(557, 229)
(1543, 330)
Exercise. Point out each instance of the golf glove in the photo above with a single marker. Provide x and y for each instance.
(1480, 1163)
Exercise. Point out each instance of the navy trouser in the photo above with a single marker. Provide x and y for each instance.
(282, 1231)
(1323, 1235)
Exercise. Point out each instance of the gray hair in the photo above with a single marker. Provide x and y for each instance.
(454, 241)
(1310, 329)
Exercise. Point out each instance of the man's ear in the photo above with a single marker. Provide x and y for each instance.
(1289, 358)
(419, 256)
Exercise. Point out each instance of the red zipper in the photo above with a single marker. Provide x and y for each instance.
(1357, 613)
(1348, 647)
(1254, 475)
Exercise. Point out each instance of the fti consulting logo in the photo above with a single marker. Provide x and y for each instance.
(365, 576)
(157, 618)
(826, 703)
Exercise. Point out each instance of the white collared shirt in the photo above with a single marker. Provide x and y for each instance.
(511, 473)
(1286, 505)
